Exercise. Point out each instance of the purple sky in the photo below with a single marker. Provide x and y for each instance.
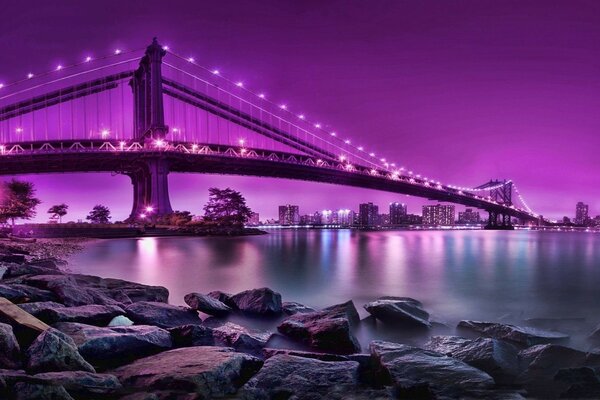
(458, 91)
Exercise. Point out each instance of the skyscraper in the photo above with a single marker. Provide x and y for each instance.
(289, 215)
(368, 214)
(581, 213)
(397, 213)
(438, 214)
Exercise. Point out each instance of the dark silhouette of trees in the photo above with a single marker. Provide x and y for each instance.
(99, 215)
(226, 207)
(17, 200)
(58, 210)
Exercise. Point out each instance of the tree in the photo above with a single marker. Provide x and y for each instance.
(99, 215)
(17, 200)
(58, 210)
(226, 207)
(178, 218)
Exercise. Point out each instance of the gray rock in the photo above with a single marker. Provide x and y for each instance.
(52, 350)
(327, 330)
(205, 370)
(161, 314)
(107, 347)
(263, 301)
(270, 352)
(422, 373)
(240, 338)
(289, 377)
(82, 384)
(192, 335)
(64, 287)
(223, 297)
(347, 310)
(10, 352)
(401, 312)
(15, 270)
(37, 391)
(542, 362)
(291, 308)
(118, 288)
(37, 307)
(446, 344)
(92, 314)
(580, 383)
(524, 336)
(206, 304)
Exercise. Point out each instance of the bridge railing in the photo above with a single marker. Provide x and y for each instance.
(32, 148)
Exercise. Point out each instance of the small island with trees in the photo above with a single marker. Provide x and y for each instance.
(225, 214)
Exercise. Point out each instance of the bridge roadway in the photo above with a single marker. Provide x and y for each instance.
(127, 157)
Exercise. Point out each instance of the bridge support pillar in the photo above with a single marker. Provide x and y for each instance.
(150, 190)
(499, 221)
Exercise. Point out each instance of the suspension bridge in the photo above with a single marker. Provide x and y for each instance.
(149, 112)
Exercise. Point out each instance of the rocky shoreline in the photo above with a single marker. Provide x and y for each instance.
(77, 336)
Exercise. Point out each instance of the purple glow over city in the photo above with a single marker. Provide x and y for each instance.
(458, 93)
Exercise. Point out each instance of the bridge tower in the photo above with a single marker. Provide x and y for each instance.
(150, 176)
(501, 193)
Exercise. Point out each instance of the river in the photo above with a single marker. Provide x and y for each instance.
(485, 275)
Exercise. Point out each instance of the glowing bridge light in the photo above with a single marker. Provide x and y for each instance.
(194, 147)
(142, 216)
(1, 85)
(283, 107)
(159, 143)
(149, 209)
(347, 141)
(117, 52)
(360, 148)
(333, 133)
(239, 84)
(215, 72)
(29, 75)
(166, 48)
(262, 95)
(301, 116)
(104, 133)
(342, 158)
(88, 59)
(372, 154)
(191, 59)
(242, 141)
(59, 67)
(176, 130)
(318, 126)
(19, 130)
(122, 144)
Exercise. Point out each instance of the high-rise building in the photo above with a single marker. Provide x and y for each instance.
(327, 217)
(438, 214)
(345, 217)
(368, 214)
(289, 215)
(581, 213)
(254, 219)
(469, 217)
(397, 213)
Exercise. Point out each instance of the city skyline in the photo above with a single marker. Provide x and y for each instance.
(405, 126)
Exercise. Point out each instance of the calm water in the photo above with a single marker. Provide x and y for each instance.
(457, 275)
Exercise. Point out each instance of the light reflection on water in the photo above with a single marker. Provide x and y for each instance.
(456, 274)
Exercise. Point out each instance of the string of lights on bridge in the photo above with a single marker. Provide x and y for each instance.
(395, 171)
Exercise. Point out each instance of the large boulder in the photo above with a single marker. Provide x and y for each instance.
(82, 385)
(327, 330)
(36, 307)
(223, 297)
(497, 358)
(107, 347)
(240, 338)
(542, 363)
(205, 370)
(579, 383)
(15, 270)
(520, 335)
(207, 304)
(192, 335)
(290, 377)
(119, 289)
(52, 350)
(400, 311)
(64, 287)
(263, 301)
(291, 308)
(271, 352)
(10, 351)
(161, 314)
(18, 293)
(418, 373)
(92, 314)
(39, 391)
